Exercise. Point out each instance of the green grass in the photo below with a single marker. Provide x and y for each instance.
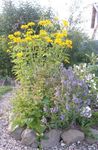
(4, 89)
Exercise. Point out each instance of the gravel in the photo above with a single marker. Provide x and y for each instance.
(8, 143)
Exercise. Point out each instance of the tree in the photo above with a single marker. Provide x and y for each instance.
(12, 16)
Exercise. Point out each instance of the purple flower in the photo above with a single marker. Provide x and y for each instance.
(67, 107)
(76, 100)
(62, 117)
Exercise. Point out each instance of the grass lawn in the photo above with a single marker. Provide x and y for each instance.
(4, 89)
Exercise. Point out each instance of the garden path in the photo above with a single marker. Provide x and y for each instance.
(6, 142)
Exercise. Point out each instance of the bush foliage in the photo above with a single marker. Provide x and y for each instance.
(35, 56)
(50, 96)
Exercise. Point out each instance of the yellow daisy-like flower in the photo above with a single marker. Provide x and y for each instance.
(30, 24)
(11, 36)
(24, 26)
(35, 36)
(65, 23)
(45, 22)
(68, 43)
(43, 33)
(58, 41)
(17, 33)
(59, 35)
(20, 54)
(48, 39)
(28, 38)
(29, 32)
(17, 40)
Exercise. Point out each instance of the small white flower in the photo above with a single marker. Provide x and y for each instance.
(86, 112)
(89, 77)
(84, 65)
(45, 109)
(43, 120)
(92, 81)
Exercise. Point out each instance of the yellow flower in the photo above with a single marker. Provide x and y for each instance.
(29, 32)
(68, 43)
(43, 33)
(17, 33)
(20, 54)
(58, 41)
(30, 24)
(17, 40)
(11, 36)
(45, 22)
(48, 39)
(24, 26)
(35, 36)
(65, 23)
(59, 35)
(28, 38)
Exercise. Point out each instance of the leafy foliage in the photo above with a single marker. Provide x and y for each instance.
(5, 61)
(82, 46)
(35, 56)
(50, 96)
(12, 16)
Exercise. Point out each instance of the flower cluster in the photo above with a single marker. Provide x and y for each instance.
(45, 22)
(29, 35)
(84, 73)
(72, 94)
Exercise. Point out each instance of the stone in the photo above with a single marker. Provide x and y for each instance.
(29, 138)
(52, 139)
(15, 132)
(92, 140)
(72, 135)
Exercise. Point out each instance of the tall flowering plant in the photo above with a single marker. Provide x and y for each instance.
(38, 46)
(36, 49)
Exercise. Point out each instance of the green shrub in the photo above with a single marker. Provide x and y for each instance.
(5, 61)
(82, 45)
(50, 95)
(35, 56)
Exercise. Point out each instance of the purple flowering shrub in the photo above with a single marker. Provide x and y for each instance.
(71, 95)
